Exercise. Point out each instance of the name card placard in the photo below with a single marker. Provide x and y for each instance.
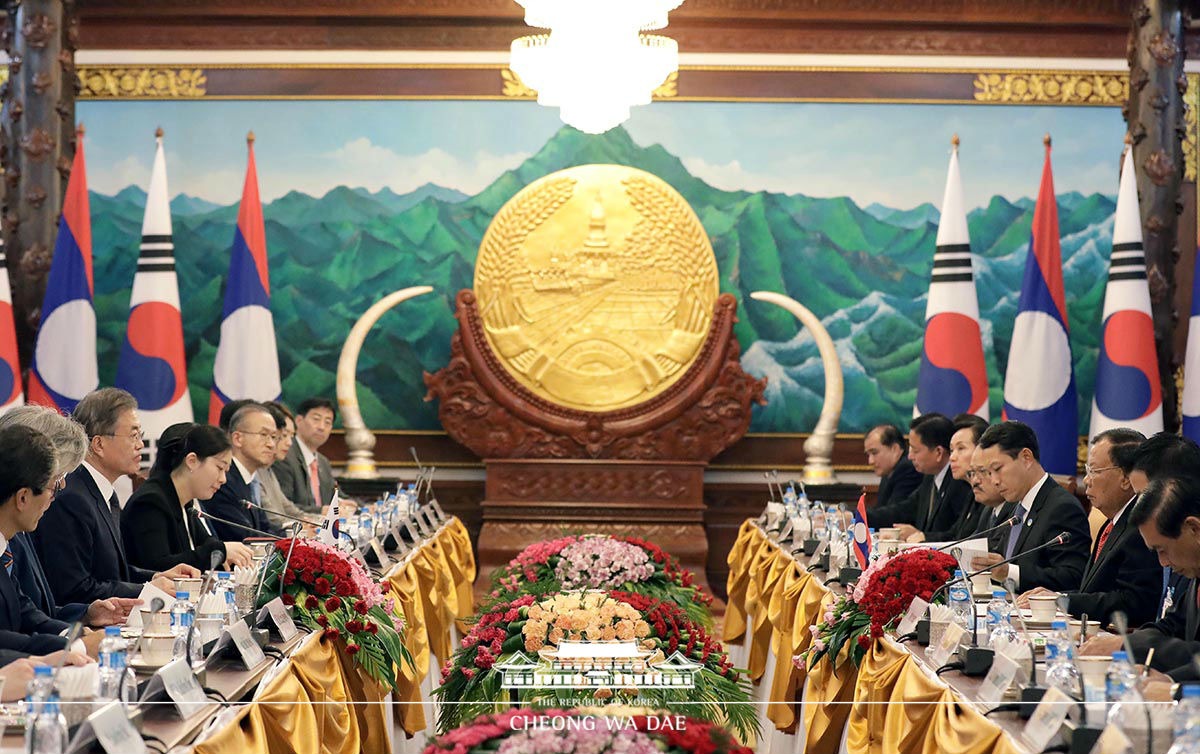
(916, 611)
(1048, 718)
(252, 654)
(377, 547)
(114, 731)
(280, 617)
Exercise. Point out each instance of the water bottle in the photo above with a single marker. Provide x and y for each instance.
(112, 664)
(181, 613)
(833, 525)
(789, 500)
(874, 545)
(1187, 722)
(45, 727)
(226, 589)
(1061, 671)
(999, 618)
(1121, 677)
(961, 604)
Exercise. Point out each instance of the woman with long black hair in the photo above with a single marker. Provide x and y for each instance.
(159, 523)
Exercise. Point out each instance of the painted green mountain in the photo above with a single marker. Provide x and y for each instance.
(863, 271)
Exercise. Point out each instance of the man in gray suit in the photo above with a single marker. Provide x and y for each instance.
(305, 475)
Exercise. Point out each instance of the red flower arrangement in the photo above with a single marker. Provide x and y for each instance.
(333, 594)
(538, 562)
(882, 594)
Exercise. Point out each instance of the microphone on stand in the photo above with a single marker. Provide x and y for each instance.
(250, 504)
(218, 519)
(1010, 522)
(923, 631)
(1120, 621)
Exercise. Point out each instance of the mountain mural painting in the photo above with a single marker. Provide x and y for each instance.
(863, 270)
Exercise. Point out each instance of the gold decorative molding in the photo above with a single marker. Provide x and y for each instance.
(111, 82)
(1053, 87)
(669, 87)
(513, 86)
(1190, 103)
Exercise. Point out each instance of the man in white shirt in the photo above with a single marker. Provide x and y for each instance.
(1043, 509)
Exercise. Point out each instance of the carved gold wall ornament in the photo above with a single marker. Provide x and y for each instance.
(1191, 100)
(669, 87)
(596, 286)
(112, 82)
(1053, 87)
(513, 86)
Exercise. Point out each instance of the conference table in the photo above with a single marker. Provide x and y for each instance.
(894, 702)
(316, 699)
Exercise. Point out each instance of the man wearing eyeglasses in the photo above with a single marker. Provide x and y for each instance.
(1122, 572)
(253, 434)
(79, 537)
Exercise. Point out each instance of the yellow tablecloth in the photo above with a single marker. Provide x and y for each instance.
(323, 703)
(784, 600)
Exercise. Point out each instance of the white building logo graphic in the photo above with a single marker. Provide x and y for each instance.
(597, 664)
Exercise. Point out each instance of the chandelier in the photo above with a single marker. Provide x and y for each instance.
(595, 63)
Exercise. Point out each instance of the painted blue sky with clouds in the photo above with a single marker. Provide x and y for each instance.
(892, 154)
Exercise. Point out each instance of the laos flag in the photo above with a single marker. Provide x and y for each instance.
(151, 365)
(247, 363)
(1128, 389)
(11, 394)
(953, 376)
(862, 534)
(1191, 364)
(64, 355)
(1039, 381)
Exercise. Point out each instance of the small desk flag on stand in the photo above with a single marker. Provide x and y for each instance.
(1191, 364)
(1128, 389)
(1039, 380)
(953, 375)
(330, 526)
(64, 365)
(247, 363)
(862, 535)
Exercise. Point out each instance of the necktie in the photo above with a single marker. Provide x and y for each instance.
(314, 481)
(255, 490)
(114, 510)
(1015, 532)
(6, 560)
(1103, 538)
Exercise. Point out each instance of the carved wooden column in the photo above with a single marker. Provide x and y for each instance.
(38, 121)
(1155, 114)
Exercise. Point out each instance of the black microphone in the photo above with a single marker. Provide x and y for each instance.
(1012, 520)
(211, 517)
(250, 504)
(923, 633)
(1120, 621)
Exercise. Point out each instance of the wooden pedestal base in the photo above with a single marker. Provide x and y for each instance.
(531, 500)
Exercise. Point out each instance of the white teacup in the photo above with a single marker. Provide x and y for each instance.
(155, 622)
(889, 534)
(191, 586)
(982, 583)
(1074, 628)
(1094, 668)
(1044, 607)
(157, 649)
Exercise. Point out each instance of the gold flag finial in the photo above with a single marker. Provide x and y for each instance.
(1128, 138)
(79, 129)
(1046, 139)
(158, 132)
(250, 138)
(954, 141)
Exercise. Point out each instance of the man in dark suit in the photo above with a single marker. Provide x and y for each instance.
(1122, 573)
(967, 430)
(887, 454)
(253, 434)
(305, 475)
(26, 489)
(81, 536)
(940, 499)
(1168, 516)
(1043, 510)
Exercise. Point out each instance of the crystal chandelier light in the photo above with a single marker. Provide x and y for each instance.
(595, 63)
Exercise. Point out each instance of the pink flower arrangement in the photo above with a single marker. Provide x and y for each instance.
(596, 739)
(602, 563)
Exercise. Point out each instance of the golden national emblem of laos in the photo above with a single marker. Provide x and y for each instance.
(596, 286)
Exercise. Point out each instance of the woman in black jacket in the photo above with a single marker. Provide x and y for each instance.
(159, 523)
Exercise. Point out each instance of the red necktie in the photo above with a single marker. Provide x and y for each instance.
(1103, 538)
(314, 481)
